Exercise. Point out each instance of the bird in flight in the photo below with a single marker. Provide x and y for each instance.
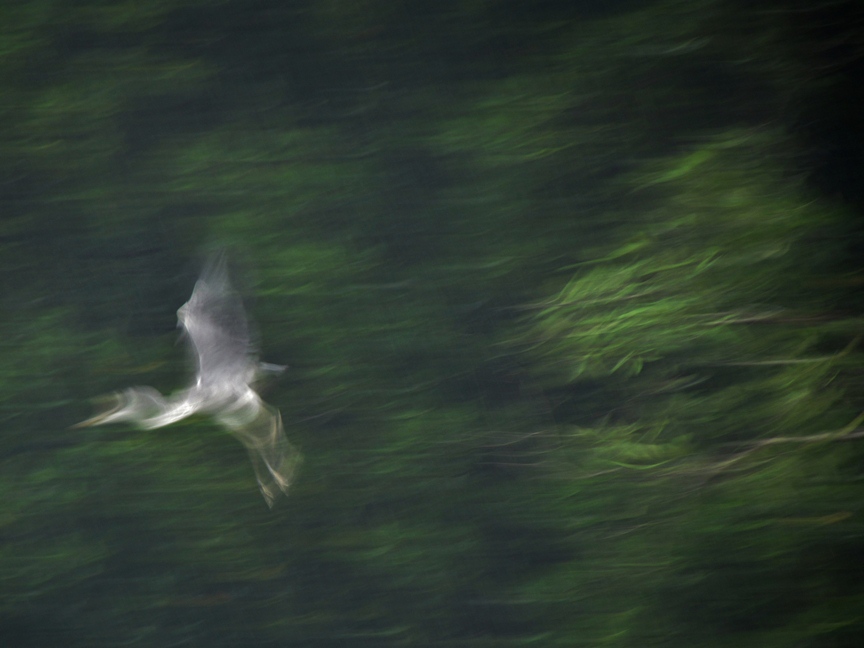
(226, 366)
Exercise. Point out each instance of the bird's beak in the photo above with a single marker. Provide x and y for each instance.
(113, 405)
(95, 420)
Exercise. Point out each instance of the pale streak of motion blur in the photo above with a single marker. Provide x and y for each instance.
(226, 366)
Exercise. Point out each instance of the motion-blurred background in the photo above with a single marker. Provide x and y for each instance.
(570, 293)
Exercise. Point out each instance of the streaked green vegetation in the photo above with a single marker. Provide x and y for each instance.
(570, 296)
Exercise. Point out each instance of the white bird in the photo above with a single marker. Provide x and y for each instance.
(226, 367)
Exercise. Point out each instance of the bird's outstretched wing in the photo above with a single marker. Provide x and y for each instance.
(215, 322)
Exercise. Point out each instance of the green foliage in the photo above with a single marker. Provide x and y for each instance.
(573, 345)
